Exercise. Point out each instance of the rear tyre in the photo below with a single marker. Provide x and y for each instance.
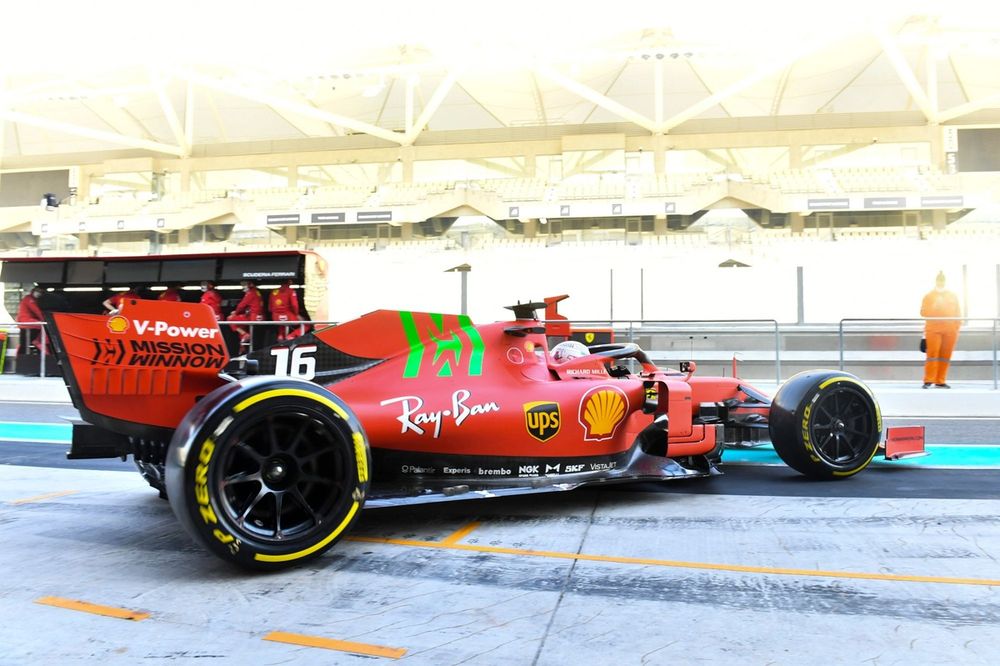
(268, 473)
(825, 424)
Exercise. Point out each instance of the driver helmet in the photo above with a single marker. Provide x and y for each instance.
(564, 351)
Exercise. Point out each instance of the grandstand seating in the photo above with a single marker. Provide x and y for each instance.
(778, 190)
(338, 196)
(671, 185)
(516, 189)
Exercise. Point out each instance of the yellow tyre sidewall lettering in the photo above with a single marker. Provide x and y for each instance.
(361, 455)
(206, 507)
(806, 438)
(203, 498)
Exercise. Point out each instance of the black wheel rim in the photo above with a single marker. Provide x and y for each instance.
(841, 427)
(284, 476)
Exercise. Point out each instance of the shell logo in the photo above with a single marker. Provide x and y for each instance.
(118, 324)
(602, 410)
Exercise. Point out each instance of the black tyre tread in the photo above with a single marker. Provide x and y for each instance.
(789, 420)
(208, 442)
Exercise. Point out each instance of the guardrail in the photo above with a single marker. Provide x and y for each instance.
(691, 328)
(761, 340)
(885, 326)
(770, 338)
(43, 340)
(275, 323)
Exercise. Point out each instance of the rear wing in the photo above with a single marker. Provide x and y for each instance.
(139, 372)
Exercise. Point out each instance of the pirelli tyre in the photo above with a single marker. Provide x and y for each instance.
(825, 424)
(268, 473)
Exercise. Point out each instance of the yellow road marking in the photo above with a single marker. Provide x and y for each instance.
(331, 644)
(680, 564)
(86, 607)
(460, 534)
(40, 498)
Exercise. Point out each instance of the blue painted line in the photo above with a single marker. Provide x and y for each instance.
(941, 455)
(59, 433)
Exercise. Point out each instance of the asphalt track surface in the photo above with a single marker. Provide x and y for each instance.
(896, 565)
(753, 472)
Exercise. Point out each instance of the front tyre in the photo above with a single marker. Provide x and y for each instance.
(268, 473)
(825, 424)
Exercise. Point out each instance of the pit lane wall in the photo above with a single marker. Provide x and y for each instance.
(78, 283)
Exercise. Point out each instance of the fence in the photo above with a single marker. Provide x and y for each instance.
(764, 349)
(973, 349)
(877, 349)
(716, 341)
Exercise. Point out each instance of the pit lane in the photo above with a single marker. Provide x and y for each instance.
(758, 566)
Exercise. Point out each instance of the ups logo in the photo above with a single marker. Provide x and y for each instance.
(542, 419)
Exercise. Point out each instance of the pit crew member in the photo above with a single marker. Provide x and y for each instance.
(283, 303)
(250, 308)
(211, 298)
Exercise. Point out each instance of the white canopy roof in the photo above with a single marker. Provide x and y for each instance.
(85, 82)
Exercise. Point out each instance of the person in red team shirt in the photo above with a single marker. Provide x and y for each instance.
(171, 293)
(30, 310)
(114, 302)
(284, 306)
(211, 298)
(250, 308)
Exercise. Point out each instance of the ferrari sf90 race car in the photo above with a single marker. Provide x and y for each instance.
(268, 459)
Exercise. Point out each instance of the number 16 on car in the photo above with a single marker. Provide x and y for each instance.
(295, 362)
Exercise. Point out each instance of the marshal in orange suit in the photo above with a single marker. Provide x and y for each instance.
(941, 335)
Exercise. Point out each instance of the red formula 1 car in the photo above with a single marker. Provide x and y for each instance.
(267, 460)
